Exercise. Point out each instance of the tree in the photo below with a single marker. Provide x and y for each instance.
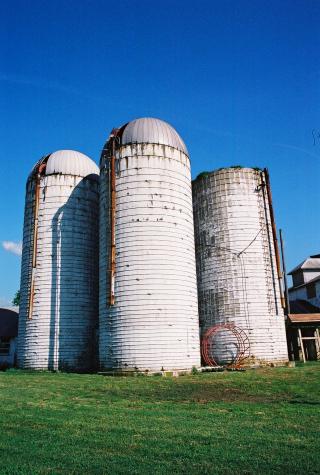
(16, 299)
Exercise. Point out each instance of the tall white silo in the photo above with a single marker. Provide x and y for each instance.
(59, 277)
(148, 291)
(238, 279)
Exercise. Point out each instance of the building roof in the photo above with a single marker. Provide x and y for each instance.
(304, 317)
(68, 162)
(8, 323)
(311, 263)
(315, 279)
(150, 130)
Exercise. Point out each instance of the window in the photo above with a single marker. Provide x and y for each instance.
(4, 346)
(311, 290)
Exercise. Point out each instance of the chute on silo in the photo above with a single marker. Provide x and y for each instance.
(148, 293)
(59, 274)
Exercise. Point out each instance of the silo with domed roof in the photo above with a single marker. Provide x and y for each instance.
(148, 312)
(59, 275)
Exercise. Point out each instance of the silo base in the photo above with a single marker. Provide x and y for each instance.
(135, 373)
(266, 363)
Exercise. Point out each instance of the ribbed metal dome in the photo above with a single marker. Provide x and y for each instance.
(149, 130)
(67, 162)
(70, 162)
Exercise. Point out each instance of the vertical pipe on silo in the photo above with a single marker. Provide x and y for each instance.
(40, 169)
(113, 222)
(287, 300)
(274, 234)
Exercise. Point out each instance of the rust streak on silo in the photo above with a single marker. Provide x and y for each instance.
(39, 169)
(113, 222)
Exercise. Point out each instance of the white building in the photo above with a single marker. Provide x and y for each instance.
(306, 281)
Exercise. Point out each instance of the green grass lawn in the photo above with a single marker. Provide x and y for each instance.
(259, 421)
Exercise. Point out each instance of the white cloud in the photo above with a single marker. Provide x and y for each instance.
(14, 247)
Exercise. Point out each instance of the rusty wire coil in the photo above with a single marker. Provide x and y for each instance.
(242, 344)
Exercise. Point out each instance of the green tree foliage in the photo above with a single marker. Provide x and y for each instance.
(16, 299)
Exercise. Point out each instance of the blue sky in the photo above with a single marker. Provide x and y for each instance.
(240, 81)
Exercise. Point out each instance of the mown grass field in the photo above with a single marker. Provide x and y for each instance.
(260, 421)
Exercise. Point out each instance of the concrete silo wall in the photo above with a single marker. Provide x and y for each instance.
(236, 267)
(154, 322)
(61, 330)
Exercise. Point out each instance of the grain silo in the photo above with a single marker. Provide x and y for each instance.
(148, 291)
(59, 276)
(240, 307)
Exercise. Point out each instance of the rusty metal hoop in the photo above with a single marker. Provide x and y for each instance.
(242, 344)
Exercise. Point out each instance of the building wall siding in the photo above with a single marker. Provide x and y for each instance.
(301, 294)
